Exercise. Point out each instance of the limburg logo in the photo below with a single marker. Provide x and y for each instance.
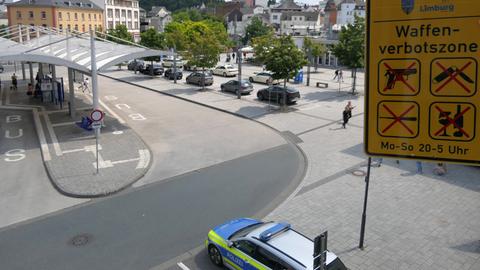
(407, 6)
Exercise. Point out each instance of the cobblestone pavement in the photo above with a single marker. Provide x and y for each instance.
(414, 221)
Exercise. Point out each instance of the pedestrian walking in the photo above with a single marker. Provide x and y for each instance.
(347, 113)
(14, 82)
(336, 74)
(85, 85)
(233, 56)
(340, 75)
(419, 167)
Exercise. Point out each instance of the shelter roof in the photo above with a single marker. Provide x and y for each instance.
(72, 50)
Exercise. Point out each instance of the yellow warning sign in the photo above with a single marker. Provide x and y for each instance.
(453, 77)
(399, 77)
(422, 82)
(398, 119)
(452, 121)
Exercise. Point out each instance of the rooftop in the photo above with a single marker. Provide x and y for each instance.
(83, 4)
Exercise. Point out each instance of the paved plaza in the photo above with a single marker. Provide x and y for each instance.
(414, 221)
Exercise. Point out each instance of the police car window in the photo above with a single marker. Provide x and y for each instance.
(246, 247)
(268, 259)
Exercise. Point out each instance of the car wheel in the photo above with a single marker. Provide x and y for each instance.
(237, 92)
(222, 88)
(260, 96)
(250, 79)
(215, 256)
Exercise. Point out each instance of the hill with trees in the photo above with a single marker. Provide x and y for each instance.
(174, 5)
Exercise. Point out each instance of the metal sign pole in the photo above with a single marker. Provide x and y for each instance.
(239, 58)
(364, 214)
(174, 64)
(96, 146)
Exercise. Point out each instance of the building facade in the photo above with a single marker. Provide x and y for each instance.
(126, 12)
(158, 18)
(78, 15)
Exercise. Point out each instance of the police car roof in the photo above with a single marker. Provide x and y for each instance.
(291, 243)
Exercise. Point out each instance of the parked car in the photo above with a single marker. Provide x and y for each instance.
(200, 78)
(189, 67)
(252, 244)
(1, 68)
(171, 75)
(233, 86)
(226, 70)
(157, 69)
(136, 65)
(263, 77)
(275, 93)
(168, 62)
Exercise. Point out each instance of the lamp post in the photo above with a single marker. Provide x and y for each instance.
(239, 59)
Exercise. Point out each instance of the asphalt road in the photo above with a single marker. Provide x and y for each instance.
(149, 225)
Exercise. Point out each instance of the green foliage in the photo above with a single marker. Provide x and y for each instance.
(262, 45)
(283, 58)
(203, 47)
(120, 32)
(153, 39)
(316, 49)
(350, 49)
(173, 5)
(193, 14)
(256, 29)
(271, 2)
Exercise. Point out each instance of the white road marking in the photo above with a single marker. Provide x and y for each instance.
(110, 98)
(125, 161)
(122, 105)
(183, 266)
(144, 158)
(73, 150)
(41, 136)
(63, 124)
(110, 111)
(53, 136)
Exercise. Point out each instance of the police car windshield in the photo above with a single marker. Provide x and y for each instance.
(243, 232)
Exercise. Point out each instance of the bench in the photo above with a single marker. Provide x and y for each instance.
(322, 84)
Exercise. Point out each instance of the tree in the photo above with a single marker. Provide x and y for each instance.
(262, 45)
(256, 29)
(350, 49)
(120, 32)
(271, 2)
(316, 50)
(153, 40)
(284, 59)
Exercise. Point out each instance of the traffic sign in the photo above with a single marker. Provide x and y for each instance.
(96, 115)
(422, 97)
(96, 125)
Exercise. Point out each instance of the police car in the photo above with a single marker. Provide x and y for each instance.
(252, 244)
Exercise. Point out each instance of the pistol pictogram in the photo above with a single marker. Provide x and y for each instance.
(397, 74)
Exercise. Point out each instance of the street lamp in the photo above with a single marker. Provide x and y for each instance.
(239, 59)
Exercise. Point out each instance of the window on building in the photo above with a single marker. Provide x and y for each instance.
(129, 14)
(69, 27)
(123, 13)
(129, 25)
(110, 13)
(60, 26)
(100, 17)
(83, 16)
(75, 16)
(135, 14)
(275, 17)
(83, 28)
(19, 15)
(44, 15)
(76, 27)
(110, 25)
(95, 17)
(300, 18)
(30, 14)
(294, 18)
(117, 13)
(59, 15)
(89, 27)
(89, 16)
(68, 16)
